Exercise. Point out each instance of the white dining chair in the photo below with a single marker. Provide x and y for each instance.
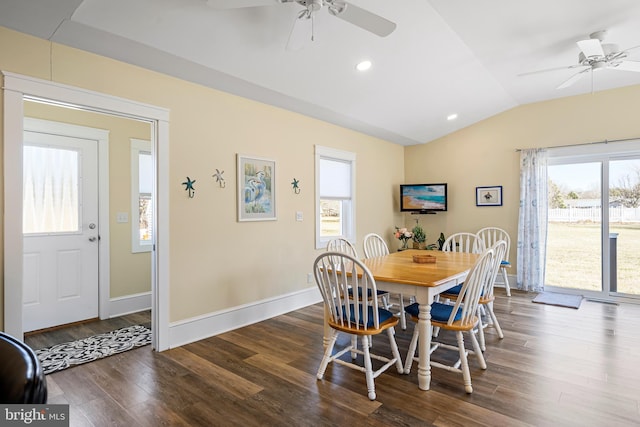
(485, 303)
(458, 317)
(355, 315)
(463, 242)
(375, 246)
(490, 235)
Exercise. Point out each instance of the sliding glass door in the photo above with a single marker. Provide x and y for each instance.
(624, 226)
(593, 240)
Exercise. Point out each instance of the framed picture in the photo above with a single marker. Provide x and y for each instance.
(256, 189)
(489, 196)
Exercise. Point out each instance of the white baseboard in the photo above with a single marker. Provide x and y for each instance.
(129, 304)
(201, 327)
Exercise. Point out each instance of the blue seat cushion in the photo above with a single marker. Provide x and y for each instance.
(455, 290)
(379, 293)
(505, 263)
(383, 315)
(440, 312)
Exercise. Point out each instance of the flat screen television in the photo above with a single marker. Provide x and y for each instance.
(423, 198)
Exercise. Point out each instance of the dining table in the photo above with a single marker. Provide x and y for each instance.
(398, 273)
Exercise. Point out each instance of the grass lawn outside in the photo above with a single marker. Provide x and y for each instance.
(574, 256)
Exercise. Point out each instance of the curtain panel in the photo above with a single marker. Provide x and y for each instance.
(532, 221)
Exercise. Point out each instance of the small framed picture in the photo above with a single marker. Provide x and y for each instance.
(256, 189)
(489, 196)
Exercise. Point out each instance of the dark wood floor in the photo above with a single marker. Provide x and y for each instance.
(555, 367)
(43, 339)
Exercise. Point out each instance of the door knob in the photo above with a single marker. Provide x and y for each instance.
(92, 239)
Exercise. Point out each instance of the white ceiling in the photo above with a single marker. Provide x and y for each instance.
(445, 56)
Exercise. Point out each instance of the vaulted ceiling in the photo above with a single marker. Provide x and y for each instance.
(444, 57)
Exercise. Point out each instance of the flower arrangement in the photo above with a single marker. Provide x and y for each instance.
(403, 235)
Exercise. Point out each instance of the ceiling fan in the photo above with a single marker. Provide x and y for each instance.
(342, 9)
(594, 56)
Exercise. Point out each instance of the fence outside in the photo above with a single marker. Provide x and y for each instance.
(594, 214)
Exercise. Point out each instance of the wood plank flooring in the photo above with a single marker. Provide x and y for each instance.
(555, 367)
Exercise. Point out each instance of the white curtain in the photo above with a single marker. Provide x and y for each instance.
(532, 221)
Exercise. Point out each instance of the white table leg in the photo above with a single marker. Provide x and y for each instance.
(424, 345)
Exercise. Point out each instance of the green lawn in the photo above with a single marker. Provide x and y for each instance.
(573, 256)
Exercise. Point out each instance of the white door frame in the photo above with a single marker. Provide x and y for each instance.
(102, 137)
(16, 88)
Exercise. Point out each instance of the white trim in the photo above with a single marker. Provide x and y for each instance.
(16, 87)
(13, 112)
(205, 326)
(129, 304)
(102, 137)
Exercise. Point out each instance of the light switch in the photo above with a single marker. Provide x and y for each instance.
(299, 216)
(122, 217)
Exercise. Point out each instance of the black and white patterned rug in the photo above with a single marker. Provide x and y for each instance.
(66, 355)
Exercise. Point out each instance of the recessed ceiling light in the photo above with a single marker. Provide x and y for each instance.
(452, 117)
(363, 66)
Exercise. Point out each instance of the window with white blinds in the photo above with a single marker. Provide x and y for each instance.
(335, 195)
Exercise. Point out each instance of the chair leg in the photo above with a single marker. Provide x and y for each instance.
(395, 351)
(412, 350)
(506, 282)
(477, 351)
(481, 329)
(403, 317)
(385, 301)
(496, 325)
(354, 345)
(327, 354)
(368, 369)
(466, 374)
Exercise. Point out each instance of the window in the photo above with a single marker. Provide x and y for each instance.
(335, 195)
(50, 196)
(141, 196)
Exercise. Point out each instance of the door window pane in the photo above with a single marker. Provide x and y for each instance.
(624, 224)
(574, 235)
(50, 190)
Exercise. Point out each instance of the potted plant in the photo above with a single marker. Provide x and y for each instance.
(419, 237)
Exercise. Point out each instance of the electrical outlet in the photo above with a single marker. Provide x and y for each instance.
(310, 278)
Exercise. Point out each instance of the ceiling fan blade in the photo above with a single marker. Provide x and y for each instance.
(550, 69)
(364, 19)
(301, 33)
(236, 4)
(591, 48)
(571, 80)
(627, 66)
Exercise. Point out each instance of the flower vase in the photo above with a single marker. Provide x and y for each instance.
(405, 244)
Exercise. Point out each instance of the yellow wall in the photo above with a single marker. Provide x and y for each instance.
(485, 154)
(217, 262)
(130, 273)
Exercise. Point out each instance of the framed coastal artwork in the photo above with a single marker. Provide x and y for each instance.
(489, 196)
(256, 188)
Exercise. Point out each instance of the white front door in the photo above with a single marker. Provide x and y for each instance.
(60, 230)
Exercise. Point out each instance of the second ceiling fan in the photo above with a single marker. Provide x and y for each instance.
(595, 55)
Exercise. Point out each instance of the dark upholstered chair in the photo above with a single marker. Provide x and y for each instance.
(21, 377)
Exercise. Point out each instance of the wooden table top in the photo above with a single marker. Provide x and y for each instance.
(398, 267)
